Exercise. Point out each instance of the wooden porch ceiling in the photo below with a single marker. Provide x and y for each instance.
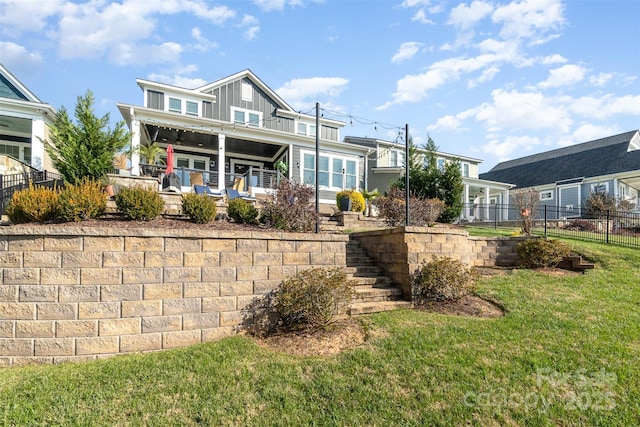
(179, 137)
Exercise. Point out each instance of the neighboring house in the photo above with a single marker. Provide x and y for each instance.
(24, 124)
(385, 162)
(566, 177)
(239, 126)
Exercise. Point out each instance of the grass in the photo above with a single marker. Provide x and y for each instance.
(566, 353)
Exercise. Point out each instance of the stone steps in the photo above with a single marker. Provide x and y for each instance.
(374, 291)
(575, 263)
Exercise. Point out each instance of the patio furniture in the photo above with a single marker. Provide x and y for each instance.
(204, 189)
(235, 194)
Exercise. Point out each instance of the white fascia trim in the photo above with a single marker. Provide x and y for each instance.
(161, 87)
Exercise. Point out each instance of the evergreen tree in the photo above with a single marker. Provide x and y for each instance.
(85, 149)
(427, 181)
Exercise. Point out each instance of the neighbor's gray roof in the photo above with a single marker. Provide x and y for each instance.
(590, 159)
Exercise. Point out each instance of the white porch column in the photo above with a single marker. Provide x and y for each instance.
(487, 201)
(465, 201)
(37, 145)
(221, 160)
(505, 205)
(135, 144)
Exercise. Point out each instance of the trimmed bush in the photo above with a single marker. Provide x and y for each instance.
(200, 208)
(242, 211)
(291, 207)
(542, 252)
(82, 201)
(311, 299)
(139, 203)
(442, 279)
(33, 204)
(582, 225)
(357, 199)
(392, 208)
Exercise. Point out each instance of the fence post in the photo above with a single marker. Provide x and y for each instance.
(495, 217)
(608, 219)
(545, 219)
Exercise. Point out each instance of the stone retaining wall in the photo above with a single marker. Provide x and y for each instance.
(401, 251)
(81, 293)
(71, 294)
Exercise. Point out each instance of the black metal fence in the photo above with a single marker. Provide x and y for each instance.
(610, 227)
(11, 183)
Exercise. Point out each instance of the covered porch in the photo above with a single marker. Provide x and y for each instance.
(484, 200)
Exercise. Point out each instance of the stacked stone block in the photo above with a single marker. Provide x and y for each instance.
(75, 294)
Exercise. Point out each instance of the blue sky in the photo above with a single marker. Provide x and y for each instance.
(488, 79)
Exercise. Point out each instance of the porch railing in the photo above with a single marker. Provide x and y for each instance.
(11, 183)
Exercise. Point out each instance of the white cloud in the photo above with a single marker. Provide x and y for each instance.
(300, 91)
(529, 19)
(20, 16)
(447, 122)
(486, 76)
(506, 148)
(251, 26)
(203, 44)
(269, 5)
(17, 58)
(406, 51)
(421, 17)
(465, 17)
(601, 79)
(605, 106)
(587, 132)
(140, 54)
(553, 59)
(564, 76)
(179, 78)
(515, 110)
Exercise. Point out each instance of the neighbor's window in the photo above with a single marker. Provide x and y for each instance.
(440, 163)
(192, 108)
(335, 172)
(464, 168)
(246, 117)
(546, 195)
(302, 128)
(175, 105)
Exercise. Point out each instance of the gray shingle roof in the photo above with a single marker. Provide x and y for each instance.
(590, 159)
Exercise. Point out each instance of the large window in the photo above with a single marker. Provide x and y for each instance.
(246, 117)
(397, 158)
(335, 172)
(306, 129)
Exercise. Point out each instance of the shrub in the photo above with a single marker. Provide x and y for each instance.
(33, 204)
(82, 201)
(442, 279)
(200, 208)
(357, 199)
(312, 298)
(139, 203)
(582, 225)
(542, 252)
(392, 208)
(242, 211)
(290, 207)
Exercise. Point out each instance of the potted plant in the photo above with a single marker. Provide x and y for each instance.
(150, 155)
(368, 197)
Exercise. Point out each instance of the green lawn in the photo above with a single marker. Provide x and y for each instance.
(566, 353)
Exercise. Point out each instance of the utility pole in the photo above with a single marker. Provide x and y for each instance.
(406, 170)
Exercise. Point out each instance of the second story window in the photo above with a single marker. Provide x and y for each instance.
(175, 105)
(192, 108)
(464, 169)
(396, 158)
(246, 117)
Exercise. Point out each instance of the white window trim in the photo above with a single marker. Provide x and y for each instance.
(331, 157)
(400, 155)
(169, 105)
(462, 165)
(246, 116)
(307, 126)
(542, 195)
(186, 109)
